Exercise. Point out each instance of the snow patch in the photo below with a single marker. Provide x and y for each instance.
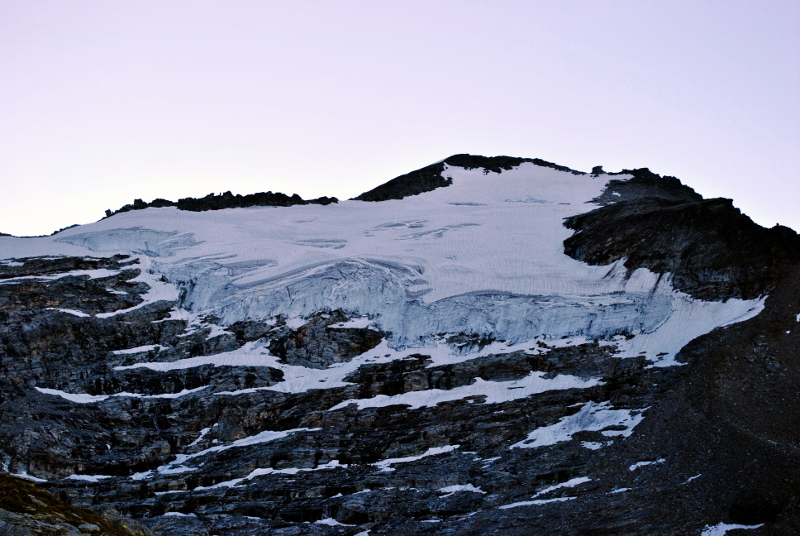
(494, 392)
(82, 398)
(203, 433)
(93, 274)
(637, 465)
(250, 354)
(72, 312)
(159, 289)
(333, 464)
(449, 490)
(177, 465)
(26, 476)
(385, 465)
(117, 292)
(591, 417)
(329, 521)
(139, 349)
(568, 484)
(77, 398)
(594, 445)
(535, 502)
(296, 323)
(720, 529)
(88, 478)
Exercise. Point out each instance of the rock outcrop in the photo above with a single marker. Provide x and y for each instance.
(224, 200)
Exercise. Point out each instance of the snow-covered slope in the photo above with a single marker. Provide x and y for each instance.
(481, 256)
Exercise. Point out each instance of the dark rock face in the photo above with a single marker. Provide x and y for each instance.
(225, 200)
(714, 251)
(419, 181)
(321, 343)
(430, 177)
(214, 446)
(645, 184)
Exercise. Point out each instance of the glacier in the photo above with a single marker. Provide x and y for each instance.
(481, 256)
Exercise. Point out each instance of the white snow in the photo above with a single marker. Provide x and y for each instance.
(331, 522)
(26, 476)
(797, 318)
(203, 433)
(689, 319)
(117, 292)
(81, 398)
(385, 465)
(333, 464)
(159, 290)
(692, 478)
(178, 514)
(619, 490)
(449, 490)
(177, 465)
(262, 437)
(720, 529)
(536, 502)
(593, 445)
(138, 349)
(70, 312)
(568, 484)
(591, 417)
(299, 379)
(489, 461)
(93, 274)
(250, 354)
(494, 392)
(637, 465)
(77, 398)
(88, 478)
(184, 392)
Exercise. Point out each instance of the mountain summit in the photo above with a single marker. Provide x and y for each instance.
(487, 345)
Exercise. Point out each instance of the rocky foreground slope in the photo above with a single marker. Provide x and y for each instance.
(483, 346)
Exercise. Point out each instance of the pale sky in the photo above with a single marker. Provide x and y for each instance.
(103, 102)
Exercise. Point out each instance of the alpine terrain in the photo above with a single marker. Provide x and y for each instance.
(482, 346)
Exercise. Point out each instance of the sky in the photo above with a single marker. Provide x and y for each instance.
(104, 102)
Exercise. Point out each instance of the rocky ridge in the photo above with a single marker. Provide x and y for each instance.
(223, 200)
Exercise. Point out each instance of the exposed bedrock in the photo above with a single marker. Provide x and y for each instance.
(430, 177)
(321, 342)
(713, 250)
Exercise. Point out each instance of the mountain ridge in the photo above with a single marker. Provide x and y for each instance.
(549, 352)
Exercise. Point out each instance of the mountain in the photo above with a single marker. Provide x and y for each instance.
(487, 345)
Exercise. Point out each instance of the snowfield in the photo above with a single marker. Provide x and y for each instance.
(482, 256)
